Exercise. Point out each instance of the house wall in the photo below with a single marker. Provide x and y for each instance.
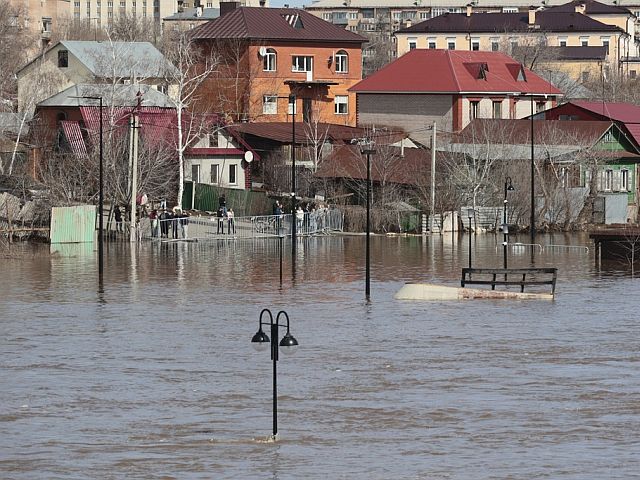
(463, 41)
(224, 164)
(412, 113)
(323, 97)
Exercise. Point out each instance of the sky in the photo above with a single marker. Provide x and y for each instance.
(292, 3)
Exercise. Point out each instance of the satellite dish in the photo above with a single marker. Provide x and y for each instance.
(262, 51)
(248, 156)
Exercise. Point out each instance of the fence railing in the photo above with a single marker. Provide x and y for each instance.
(257, 226)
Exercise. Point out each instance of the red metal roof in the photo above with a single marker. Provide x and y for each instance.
(73, 133)
(621, 112)
(454, 71)
(288, 24)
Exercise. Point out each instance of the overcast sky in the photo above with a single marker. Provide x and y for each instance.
(291, 3)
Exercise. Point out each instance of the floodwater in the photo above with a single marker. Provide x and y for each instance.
(154, 377)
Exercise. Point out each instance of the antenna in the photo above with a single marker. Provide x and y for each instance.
(262, 51)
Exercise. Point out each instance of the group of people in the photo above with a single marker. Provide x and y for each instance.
(309, 218)
(225, 214)
(166, 222)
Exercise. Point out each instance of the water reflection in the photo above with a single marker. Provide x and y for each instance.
(154, 375)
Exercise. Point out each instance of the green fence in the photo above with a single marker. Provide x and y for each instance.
(244, 202)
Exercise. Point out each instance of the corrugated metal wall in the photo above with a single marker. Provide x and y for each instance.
(73, 224)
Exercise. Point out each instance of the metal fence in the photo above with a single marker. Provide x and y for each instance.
(319, 222)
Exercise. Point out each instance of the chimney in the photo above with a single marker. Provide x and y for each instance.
(226, 7)
(408, 23)
(581, 8)
(263, 3)
(469, 9)
(199, 11)
(532, 15)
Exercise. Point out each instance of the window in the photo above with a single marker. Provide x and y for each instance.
(584, 41)
(397, 15)
(564, 177)
(585, 76)
(232, 174)
(292, 107)
(123, 4)
(475, 43)
(509, 9)
(63, 58)
(431, 42)
(413, 43)
(353, 15)
(213, 140)
(608, 180)
(76, 4)
(514, 43)
(301, 64)
(342, 104)
(209, 4)
(342, 62)
(540, 107)
(497, 109)
(425, 15)
(269, 60)
(605, 43)
(632, 74)
(474, 109)
(76, 14)
(451, 43)
(624, 180)
(562, 41)
(195, 173)
(110, 4)
(214, 174)
(269, 105)
(327, 16)
(495, 44)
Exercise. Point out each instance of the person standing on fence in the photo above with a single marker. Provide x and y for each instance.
(153, 218)
(221, 215)
(231, 226)
(174, 223)
(184, 224)
(117, 215)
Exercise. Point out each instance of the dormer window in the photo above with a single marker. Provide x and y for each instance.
(294, 20)
(63, 58)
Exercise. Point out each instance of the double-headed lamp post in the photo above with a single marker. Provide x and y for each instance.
(260, 340)
(508, 187)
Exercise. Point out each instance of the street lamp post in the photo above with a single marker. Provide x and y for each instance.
(259, 341)
(100, 195)
(292, 101)
(470, 213)
(508, 187)
(532, 220)
(367, 282)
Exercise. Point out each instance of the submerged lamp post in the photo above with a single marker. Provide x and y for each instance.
(260, 341)
(367, 282)
(100, 195)
(470, 213)
(508, 187)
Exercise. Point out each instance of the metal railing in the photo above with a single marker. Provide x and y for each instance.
(321, 222)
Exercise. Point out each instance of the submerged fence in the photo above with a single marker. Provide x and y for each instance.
(321, 222)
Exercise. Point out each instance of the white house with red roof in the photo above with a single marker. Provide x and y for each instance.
(451, 88)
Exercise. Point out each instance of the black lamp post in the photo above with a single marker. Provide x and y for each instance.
(532, 220)
(367, 275)
(470, 213)
(292, 101)
(508, 187)
(100, 196)
(260, 339)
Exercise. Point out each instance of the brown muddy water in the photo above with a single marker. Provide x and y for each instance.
(155, 378)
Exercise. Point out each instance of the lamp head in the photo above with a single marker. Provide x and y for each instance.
(288, 341)
(260, 340)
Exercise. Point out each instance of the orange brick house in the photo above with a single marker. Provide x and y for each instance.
(265, 55)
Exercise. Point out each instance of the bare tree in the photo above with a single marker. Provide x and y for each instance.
(193, 66)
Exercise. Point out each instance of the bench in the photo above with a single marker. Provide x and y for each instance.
(500, 276)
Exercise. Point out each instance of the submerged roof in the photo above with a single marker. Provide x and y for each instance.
(289, 24)
(458, 72)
